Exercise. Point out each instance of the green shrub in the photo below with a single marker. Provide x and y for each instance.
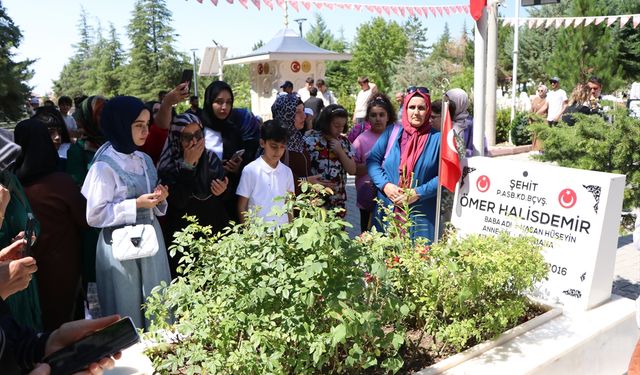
(503, 123)
(597, 145)
(520, 132)
(305, 298)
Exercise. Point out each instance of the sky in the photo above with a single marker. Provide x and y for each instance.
(49, 28)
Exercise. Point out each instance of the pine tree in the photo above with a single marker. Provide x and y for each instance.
(154, 62)
(109, 69)
(14, 91)
(75, 78)
(417, 34)
(587, 51)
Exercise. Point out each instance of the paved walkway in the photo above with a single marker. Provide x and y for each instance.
(626, 279)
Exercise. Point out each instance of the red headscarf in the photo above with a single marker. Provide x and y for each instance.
(413, 139)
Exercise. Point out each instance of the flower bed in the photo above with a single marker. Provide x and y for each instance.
(305, 298)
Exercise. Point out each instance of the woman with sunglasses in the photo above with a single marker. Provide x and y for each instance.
(195, 177)
(403, 165)
(380, 114)
(331, 153)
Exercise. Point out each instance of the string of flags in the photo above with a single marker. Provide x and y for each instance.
(565, 22)
(380, 9)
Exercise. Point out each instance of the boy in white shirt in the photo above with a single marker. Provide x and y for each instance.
(266, 177)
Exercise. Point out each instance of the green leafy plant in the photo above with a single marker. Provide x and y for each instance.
(520, 132)
(503, 124)
(595, 144)
(305, 298)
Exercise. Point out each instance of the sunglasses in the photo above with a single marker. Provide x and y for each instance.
(188, 137)
(420, 89)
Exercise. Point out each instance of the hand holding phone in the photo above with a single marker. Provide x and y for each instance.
(81, 353)
(187, 76)
(29, 233)
(237, 156)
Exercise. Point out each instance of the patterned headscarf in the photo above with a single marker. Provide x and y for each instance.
(413, 139)
(88, 116)
(118, 115)
(284, 110)
(209, 166)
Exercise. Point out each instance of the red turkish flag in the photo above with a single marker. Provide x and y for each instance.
(476, 8)
(450, 170)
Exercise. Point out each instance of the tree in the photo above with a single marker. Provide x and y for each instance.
(417, 34)
(110, 64)
(587, 51)
(377, 48)
(155, 64)
(75, 79)
(629, 40)
(13, 74)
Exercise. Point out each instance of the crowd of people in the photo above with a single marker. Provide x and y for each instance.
(120, 168)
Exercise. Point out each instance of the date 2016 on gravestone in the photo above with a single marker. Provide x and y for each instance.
(574, 214)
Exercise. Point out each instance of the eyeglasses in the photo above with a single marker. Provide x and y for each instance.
(221, 101)
(188, 137)
(422, 90)
(553, 82)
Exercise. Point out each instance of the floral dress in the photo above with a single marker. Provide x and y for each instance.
(325, 163)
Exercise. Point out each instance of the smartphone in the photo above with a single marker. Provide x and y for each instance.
(99, 344)
(29, 231)
(187, 76)
(238, 154)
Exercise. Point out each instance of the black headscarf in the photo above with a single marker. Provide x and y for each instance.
(52, 118)
(118, 115)
(39, 156)
(209, 119)
(230, 133)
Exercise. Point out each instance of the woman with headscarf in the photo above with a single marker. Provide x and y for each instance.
(14, 206)
(195, 178)
(462, 121)
(405, 168)
(60, 209)
(52, 118)
(121, 189)
(81, 153)
(288, 109)
(224, 138)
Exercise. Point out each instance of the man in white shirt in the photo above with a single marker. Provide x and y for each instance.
(557, 100)
(360, 111)
(327, 95)
(304, 92)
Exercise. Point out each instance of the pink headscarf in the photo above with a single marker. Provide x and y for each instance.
(413, 140)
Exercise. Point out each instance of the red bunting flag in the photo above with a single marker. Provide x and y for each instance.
(306, 4)
(200, 1)
(268, 3)
(256, 3)
(244, 3)
(280, 3)
(476, 8)
(294, 5)
(230, 1)
(450, 170)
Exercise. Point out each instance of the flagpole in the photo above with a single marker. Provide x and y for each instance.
(445, 109)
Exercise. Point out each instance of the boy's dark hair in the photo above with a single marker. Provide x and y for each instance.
(596, 80)
(309, 80)
(320, 82)
(65, 100)
(327, 114)
(313, 91)
(272, 130)
(436, 107)
(49, 103)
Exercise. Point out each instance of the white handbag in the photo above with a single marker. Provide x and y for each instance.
(134, 241)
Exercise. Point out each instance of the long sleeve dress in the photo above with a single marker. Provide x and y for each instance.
(111, 187)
